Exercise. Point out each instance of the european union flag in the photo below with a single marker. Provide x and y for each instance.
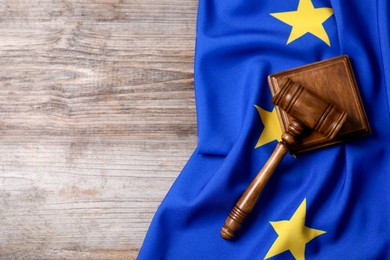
(330, 203)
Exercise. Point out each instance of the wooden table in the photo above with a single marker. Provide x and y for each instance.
(97, 119)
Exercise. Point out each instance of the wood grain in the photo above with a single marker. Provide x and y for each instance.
(332, 79)
(97, 118)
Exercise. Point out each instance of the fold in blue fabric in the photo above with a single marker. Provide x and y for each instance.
(345, 187)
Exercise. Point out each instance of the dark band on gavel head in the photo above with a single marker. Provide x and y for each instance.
(309, 109)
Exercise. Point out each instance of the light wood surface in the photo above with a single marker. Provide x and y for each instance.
(97, 119)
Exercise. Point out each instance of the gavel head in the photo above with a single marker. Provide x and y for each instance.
(309, 109)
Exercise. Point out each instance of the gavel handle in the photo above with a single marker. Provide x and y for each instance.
(248, 200)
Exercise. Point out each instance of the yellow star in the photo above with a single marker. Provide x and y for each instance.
(293, 235)
(272, 130)
(306, 19)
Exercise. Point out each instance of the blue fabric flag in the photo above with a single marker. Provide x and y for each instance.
(330, 203)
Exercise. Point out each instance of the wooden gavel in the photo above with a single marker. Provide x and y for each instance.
(308, 110)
